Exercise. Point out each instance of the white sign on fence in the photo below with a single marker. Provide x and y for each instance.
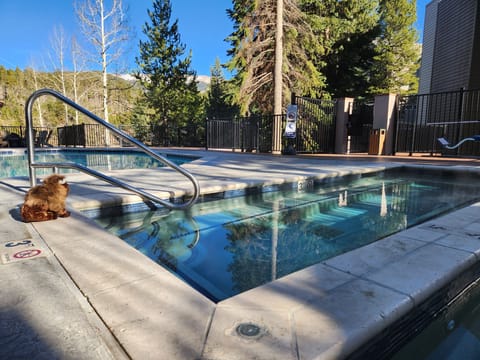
(291, 126)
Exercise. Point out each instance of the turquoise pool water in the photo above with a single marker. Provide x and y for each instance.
(15, 164)
(225, 247)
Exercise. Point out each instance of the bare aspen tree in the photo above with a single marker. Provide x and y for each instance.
(75, 48)
(78, 67)
(39, 102)
(106, 28)
(57, 59)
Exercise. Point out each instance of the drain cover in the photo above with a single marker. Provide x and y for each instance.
(248, 330)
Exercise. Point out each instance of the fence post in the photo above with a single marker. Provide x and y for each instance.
(206, 133)
(384, 118)
(344, 109)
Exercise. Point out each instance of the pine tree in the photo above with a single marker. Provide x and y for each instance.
(253, 53)
(343, 53)
(169, 83)
(397, 54)
(219, 104)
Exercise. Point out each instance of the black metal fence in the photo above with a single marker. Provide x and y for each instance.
(422, 119)
(315, 132)
(222, 134)
(170, 135)
(315, 125)
(96, 135)
(16, 136)
(252, 133)
(315, 129)
(72, 135)
(12, 136)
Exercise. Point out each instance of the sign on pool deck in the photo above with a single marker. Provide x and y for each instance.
(19, 250)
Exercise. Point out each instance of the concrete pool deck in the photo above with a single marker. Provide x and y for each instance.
(71, 290)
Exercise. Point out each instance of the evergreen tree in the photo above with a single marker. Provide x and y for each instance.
(219, 104)
(140, 121)
(238, 63)
(169, 83)
(345, 32)
(349, 68)
(253, 53)
(397, 54)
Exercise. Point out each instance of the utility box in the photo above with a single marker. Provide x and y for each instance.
(376, 142)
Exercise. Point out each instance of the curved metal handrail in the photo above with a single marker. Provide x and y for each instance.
(32, 165)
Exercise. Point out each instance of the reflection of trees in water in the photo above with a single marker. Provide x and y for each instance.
(251, 244)
(165, 239)
(162, 240)
(123, 161)
(305, 240)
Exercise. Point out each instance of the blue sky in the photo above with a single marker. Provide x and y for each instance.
(26, 27)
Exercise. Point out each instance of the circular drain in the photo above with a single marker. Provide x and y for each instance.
(248, 330)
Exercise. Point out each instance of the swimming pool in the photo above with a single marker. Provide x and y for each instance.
(226, 247)
(15, 164)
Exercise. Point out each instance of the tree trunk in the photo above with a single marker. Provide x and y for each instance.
(278, 83)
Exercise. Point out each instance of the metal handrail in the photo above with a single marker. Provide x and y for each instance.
(32, 165)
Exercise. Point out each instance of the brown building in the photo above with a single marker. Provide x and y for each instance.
(451, 46)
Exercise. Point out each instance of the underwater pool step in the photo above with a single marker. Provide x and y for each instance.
(347, 212)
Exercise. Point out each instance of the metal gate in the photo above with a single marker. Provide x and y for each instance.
(315, 126)
(244, 133)
(360, 123)
(222, 134)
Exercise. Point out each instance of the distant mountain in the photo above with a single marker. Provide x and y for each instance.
(203, 81)
(127, 77)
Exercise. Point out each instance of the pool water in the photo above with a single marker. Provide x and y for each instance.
(454, 334)
(228, 246)
(15, 164)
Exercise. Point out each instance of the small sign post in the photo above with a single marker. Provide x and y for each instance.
(291, 128)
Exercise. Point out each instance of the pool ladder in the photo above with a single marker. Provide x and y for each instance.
(32, 165)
